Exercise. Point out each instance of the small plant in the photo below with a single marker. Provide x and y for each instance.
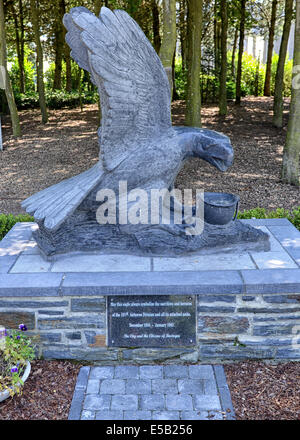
(238, 343)
(8, 221)
(15, 350)
(293, 216)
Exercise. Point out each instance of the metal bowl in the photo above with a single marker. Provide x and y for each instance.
(220, 208)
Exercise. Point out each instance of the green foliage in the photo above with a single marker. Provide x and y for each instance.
(15, 350)
(180, 78)
(293, 216)
(287, 78)
(252, 81)
(56, 99)
(8, 221)
(29, 70)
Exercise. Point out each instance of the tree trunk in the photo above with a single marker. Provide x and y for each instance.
(67, 54)
(267, 88)
(236, 34)
(182, 32)
(291, 153)
(169, 38)
(223, 73)
(278, 101)
(4, 77)
(58, 45)
(39, 60)
(155, 25)
(22, 49)
(19, 32)
(97, 7)
(241, 51)
(194, 33)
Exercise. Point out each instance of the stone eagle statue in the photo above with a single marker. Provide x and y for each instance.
(138, 145)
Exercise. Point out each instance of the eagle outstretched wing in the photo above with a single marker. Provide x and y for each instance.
(132, 83)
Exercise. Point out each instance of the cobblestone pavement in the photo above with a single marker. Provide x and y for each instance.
(152, 392)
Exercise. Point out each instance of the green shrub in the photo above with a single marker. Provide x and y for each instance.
(180, 78)
(8, 221)
(293, 216)
(29, 70)
(55, 99)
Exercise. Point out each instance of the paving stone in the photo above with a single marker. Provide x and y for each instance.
(163, 386)
(138, 386)
(201, 372)
(102, 263)
(137, 415)
(190, 386)
(93, 386)
(166, 283)
(165, 415)
(30, 284)
(216, 415)
(194, 415)
(76, 404)
(152, 402)
(220, 261)
(271, 281)
(124, 402)
(275, 245)
(176, 371)
(295, 254)
(112, 386)
(179, 402)
(207, 402)
(126, 372)
(288, 236)
(6, 263)
(82, 378)
(273, 260)
(210, 387)
(31, 248)
(109, 415)
(102, 372)
(87, 415)
(30, 263)
(96, 402)
(151, 371)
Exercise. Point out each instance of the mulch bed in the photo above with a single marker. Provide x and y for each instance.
(261, 391)
(47, 393)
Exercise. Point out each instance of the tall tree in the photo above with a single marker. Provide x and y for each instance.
(267, 87)
(19, 31)
(168, 43)
(223, 72)
(39, 59)
(235, 39)
(291, 153)
(241, 51)
(5, 77)
(194, 33)
(278, 101)
(182, 31)
(155, 25)
(59, 44)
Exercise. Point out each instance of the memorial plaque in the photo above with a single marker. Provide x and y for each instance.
(151, 321)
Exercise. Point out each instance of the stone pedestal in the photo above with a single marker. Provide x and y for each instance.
(247, 304)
